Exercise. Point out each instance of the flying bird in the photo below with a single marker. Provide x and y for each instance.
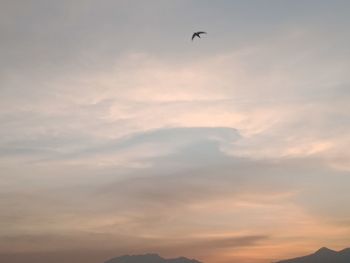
(197, 34)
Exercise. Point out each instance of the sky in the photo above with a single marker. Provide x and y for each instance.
(118, 135)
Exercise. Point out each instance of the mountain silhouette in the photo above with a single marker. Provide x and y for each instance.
(323, 255)
(149, 258)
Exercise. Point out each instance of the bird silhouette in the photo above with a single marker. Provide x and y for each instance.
(197, 34)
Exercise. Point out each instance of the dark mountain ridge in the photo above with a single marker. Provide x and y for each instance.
(149, 258)
(323, 255)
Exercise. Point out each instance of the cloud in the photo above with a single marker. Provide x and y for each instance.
(194, 189)
(112, 139)
(103, 254)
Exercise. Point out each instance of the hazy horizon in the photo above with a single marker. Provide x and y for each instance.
(119, 135)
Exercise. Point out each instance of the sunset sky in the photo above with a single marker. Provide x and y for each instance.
(118, 135)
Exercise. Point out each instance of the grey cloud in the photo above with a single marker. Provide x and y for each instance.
(225, 243)
(201, 172)
(58, 256)
(195, 172)
(157, 199)
(286, 56)
(52, 34)
(166, 247)
(169, 139)
(177, 136)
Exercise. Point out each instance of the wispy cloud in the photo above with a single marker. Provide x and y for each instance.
(117, 132)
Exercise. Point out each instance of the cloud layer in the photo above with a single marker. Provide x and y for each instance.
(118, 135)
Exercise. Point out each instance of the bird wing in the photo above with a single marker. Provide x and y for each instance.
(201, 32)
(194, 35)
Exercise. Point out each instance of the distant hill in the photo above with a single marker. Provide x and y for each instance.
(323, 255)
(149, 258)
